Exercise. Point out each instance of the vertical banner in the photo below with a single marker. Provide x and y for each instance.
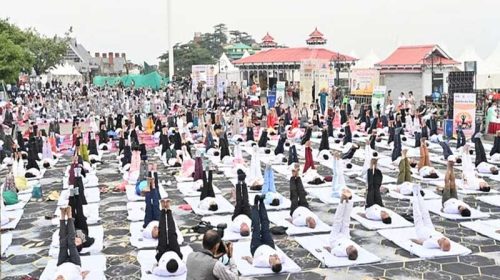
(364, 81)
(203, 73)
(378, 97)
(280, 91)
(464, 112)
(313, 71)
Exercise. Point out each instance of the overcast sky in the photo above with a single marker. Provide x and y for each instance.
(139, 28)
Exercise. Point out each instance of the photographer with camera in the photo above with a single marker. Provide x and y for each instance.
(205, 264)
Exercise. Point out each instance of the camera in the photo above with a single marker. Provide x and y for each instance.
(203, 227)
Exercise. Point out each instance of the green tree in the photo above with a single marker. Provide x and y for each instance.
(13, 59)
(185, 56)
(47, 52)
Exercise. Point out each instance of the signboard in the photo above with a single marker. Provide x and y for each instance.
(464, 112)
(363, 81)
(378, 97)
(313, 71)
(280, 91)
(203, 73)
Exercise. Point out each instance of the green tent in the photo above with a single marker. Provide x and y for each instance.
(152, 80)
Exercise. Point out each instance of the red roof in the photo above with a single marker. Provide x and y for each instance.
(316, 33)
(268, 38)
(292, 55)
(416, 55)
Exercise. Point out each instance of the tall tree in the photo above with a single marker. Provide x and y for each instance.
(185, 56)
(13, 59)
(47, 52)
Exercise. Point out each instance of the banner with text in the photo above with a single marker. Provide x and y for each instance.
(280, 91)
(363, 81)
(464, 112)
(378, 97)
(203, 73)
(313, 71)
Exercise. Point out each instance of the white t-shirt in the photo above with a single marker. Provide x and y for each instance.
(206, 202)
(373, 212)
(238, 221)
(451, 206)
(484, 167)
(146, 233)
(300, 215)
(161, 268)
(426, 171)
(429, 237)
(338, 248)
(261, 256)
(69, 271)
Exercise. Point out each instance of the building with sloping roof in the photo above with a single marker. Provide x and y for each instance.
(236, 51)
(78, 56)
(422, 69)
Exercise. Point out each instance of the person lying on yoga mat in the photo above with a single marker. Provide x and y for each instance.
(374, 208)
(241, 221)
(482, 164)
(451, 204)
(340, 237)
(207, 195)
(349, 150)
(69, 266)
(495, 150)
(470, 180)
(268, 192)
(427, 236)
(300, 213)
(262, 245)
(82, 239)
(255, 180)
(425, 170)
(152, 210)
(168, 253)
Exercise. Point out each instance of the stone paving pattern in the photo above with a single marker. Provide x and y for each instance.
(28, 253)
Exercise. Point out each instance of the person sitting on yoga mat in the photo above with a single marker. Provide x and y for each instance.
(271, 196)
(300, 213)
(69, 265)
(168, 253)
(340, 237)
(207, 195)
(152, 210)
(470, 180)
(374, 208)
(262, 245)
(425, 170)
(427, 236)
(482, 164)
(241, 221)
(451, 204)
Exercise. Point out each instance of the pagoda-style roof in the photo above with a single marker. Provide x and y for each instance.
(292, 56)
(268, 42)
(316, 38)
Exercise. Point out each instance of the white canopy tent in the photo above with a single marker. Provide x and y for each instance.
(488, 70)
(368, 61)
(66, 73)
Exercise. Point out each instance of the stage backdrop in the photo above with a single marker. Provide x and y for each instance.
(464, 112)
(203, 73)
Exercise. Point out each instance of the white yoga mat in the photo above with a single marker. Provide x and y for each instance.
(224, 206)
(93, 195)
(132, 196)
(137, 240)
(96, 265)
(435, 207)
(316, 246)
(387, 164)
(6, 241)
(439, 180)
(485, 227)
(228, 233)
(428, 194)
(279, 218)
(397, 220)
(135, 210)
(324, 195)
(385, 180)
(187, 189)
(402, 237)
(183, 179)
(242, 249)
(42, 172)
(147, 260)
(23, 200)
(490, 199)
(284, 205)
(96, 232)
(283, 169)
(15, 215)
(90, 210)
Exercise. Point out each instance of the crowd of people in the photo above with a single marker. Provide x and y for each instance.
(199, 136)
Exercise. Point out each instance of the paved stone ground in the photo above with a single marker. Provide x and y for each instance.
(28, 253)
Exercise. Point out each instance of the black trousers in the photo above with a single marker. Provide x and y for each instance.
(77, 212)
(260, 228)
(242, 205)
(373, 195)
(297, 194)
(67, 248)
(207, 190)
(167, 238)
